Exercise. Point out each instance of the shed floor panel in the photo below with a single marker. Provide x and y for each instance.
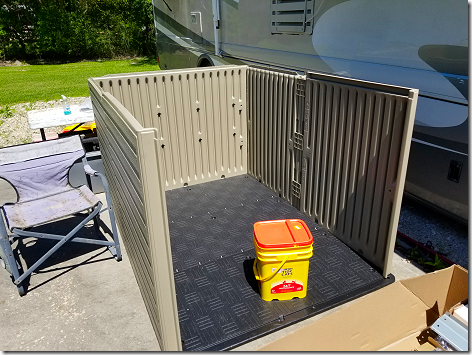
(212, 249)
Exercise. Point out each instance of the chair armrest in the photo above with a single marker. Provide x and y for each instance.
(89, 171)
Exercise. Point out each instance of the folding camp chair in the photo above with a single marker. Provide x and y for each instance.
(39, 173)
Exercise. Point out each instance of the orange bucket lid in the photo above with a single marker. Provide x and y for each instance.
(283, 233)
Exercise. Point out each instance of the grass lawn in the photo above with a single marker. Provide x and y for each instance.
(30, 83)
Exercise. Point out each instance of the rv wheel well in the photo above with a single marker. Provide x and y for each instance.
(204, 62)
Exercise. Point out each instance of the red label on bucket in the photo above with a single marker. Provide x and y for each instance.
(284, 286)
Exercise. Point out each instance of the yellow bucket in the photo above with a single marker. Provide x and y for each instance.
(283, 249)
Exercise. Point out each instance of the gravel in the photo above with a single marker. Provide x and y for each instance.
(15, 130)
(418, 222)
(447, 236)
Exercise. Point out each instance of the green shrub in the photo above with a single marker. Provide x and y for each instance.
(76, 29)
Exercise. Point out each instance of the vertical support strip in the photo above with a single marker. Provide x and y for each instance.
(159, 241)
(400, 179)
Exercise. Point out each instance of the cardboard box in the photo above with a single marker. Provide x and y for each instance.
(461, 312)
(394, 318)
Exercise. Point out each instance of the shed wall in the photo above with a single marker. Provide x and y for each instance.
(131, 163)
(200, 117)
(335, 148)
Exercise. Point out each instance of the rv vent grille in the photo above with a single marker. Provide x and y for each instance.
(290, 16)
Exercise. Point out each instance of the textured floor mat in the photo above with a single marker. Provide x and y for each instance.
(212, 249)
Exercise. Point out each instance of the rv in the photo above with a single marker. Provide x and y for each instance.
(421, 44)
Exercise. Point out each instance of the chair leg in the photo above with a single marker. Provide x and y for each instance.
(118, 256)
(3, 260)
(10, 263)
(59, 244)
(115, 232)
(21, 290)
(6, 253)
(115, 250)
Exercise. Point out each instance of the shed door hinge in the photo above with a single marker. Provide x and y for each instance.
(300, 87)
(298, 141)
(296, 189)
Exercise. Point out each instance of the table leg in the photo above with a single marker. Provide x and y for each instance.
(43, 135)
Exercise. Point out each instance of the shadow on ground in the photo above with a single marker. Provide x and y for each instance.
(29, 250)
(145, 61)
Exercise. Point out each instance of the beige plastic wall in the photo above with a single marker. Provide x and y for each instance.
(272, 109)
(355, 159)
(131, 161)
(337, 149)
(200, 117)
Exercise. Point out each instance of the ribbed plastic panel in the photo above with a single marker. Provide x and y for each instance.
(200, 116)
(271, 111)
(336, 149)
(351, 158)
(129, 155)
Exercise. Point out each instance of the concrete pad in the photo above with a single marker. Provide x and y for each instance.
(82, 299)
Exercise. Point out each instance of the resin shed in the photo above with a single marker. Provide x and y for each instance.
(195, 157)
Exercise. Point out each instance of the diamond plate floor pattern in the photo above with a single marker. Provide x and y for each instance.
(212, 250)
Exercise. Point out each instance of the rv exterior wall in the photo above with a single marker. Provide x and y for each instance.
(419, 44)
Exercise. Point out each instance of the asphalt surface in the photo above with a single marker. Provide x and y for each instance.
(80, 299)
